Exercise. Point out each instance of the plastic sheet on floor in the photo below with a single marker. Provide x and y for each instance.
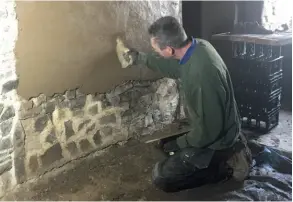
(270, 179)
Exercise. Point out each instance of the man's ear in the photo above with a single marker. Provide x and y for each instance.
(170, 50)
(153, 41)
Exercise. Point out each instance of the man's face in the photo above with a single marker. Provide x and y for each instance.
(166, 52)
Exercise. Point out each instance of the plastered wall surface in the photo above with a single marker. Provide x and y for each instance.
(64, 45)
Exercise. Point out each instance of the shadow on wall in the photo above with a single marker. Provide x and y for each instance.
(63, 45)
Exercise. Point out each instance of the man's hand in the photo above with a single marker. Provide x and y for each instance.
(171, 146)
(126, 56)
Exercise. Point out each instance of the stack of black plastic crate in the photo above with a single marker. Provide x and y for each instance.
(256, 74)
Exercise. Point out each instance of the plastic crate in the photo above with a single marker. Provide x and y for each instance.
(259, 69)
(258, 107)
(262, 125)
(247, 50)
(256, 73)
(259, 89)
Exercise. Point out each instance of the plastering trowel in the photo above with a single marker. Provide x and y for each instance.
(122, 51)
(174, 129)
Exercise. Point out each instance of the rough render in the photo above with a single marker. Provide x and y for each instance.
(64, 52)
(72, 43)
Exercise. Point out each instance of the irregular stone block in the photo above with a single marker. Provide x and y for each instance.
(41, 123)
(126, 117)
(108, 119)
(9, 74)
(147, 99)
(19, 166)
(93, 110)
(5, 144)
(24, 114)
(107, 131)
(1, 107)
(57, 95)
(5, 166)
(39, 100)
(9, 85)
(79, 93)
(34, 138)
(64, 104)
(70, 94)
(123, 88)
(77, 103)
(18, 139)
(3, 97)
(113, 99)
(125, 98)
(5, 127)
(50, 115)
(142, 84)
(85, 145)
(99, 97)
(91, 128)
(52, 155)
(148, 120)
(26, 105)
(125, 105)
(81, 125)
(8, 113)
(68, 129)
(51, 138)
(5, 156)
(105, 104)
(60, 114)
(58, 98)
(6, 180)
(102, 99)
(78, 113)
(33, 163)
(97, 138)
(72, 148)
(49, 107)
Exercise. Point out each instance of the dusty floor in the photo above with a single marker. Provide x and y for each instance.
(123, 173)
(280, 137)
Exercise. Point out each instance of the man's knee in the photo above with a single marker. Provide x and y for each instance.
(159, 180)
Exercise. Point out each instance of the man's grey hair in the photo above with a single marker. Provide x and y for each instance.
(168, 32)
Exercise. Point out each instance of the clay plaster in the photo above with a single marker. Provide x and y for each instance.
(64, 45)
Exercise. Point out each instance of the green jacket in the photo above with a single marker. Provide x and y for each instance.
(208, 93)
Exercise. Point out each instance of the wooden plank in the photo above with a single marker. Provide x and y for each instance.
(276, 39)
(168, 131)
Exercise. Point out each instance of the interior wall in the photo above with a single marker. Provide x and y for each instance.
(217, 17)
(64, 45)
(191, 18)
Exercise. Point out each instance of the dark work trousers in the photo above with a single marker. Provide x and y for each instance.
(177, 172)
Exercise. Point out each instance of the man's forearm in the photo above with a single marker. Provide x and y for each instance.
(168, 67)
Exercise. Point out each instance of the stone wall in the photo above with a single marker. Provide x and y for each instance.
(71, 125)
(11, 139)
(46, 132)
